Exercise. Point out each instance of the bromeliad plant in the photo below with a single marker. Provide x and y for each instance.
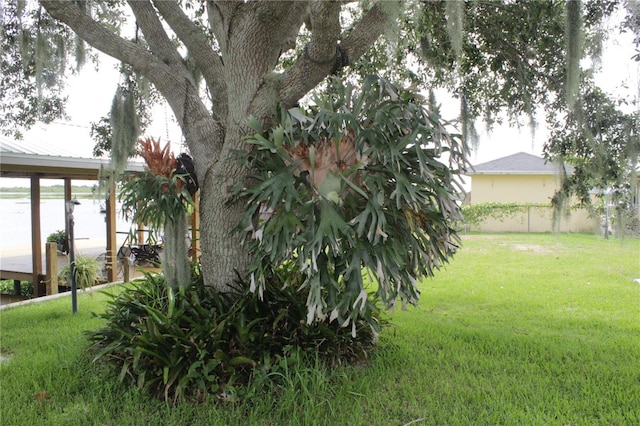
(191, 342)
(360, 187)
(159, 197)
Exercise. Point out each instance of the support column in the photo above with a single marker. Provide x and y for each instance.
(110, 219)
(67, 197)
(52, 268)
(36, 239)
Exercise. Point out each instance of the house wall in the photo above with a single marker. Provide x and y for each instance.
(534, 189)
(513, 188)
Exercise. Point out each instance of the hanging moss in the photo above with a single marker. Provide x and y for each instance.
(60, 54)
(41, 57)
(467, 124)
(80, 53)
(392, 30)
(175, 265)
(433, 102)
(20, 6)
(125, 127)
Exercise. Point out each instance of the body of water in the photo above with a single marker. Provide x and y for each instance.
(89, 223)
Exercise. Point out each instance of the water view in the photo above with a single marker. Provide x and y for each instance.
(15, 222)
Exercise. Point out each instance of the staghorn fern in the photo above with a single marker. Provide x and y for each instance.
(361, 187)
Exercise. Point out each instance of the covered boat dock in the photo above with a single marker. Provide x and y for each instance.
(17, 160)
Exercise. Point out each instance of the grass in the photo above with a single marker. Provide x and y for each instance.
(519, 329)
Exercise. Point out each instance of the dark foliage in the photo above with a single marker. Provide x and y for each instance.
(601, 142)
(193, 342)
(364, 179)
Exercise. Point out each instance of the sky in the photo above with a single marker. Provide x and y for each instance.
(91, 92)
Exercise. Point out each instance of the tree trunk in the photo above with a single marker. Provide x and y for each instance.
(224, 257)
(223, 254)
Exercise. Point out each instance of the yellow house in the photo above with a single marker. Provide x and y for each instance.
(530, 181)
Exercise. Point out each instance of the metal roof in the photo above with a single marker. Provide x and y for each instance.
(519, 164)
(31, 158)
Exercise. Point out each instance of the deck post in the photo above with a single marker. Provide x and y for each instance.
(126, 270)
(67, 198)
(51, 258)
(110, 219)
(36, 239)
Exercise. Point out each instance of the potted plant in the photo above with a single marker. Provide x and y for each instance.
(86, 272)
(59, 237)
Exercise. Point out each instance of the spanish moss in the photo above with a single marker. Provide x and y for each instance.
(467, 124)
(80, 53)
(125, 128)
(175, 264)
(41, 57)
(392, 29)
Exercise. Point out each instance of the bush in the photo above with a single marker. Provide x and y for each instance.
(86, 271)
(192, 341)
(26, 288)
(60, 238)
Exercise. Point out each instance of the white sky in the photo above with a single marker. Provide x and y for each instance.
(91, 92)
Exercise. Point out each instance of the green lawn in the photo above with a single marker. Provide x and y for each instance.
(518, 329)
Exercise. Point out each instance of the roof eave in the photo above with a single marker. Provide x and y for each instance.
(515, 172)
(23, 165)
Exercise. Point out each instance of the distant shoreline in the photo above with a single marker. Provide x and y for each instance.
(52, 192)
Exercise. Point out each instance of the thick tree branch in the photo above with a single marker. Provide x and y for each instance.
(178, 86)
(325, 26)
(220, 15)
(200, 48)
(260, 31)
(99, 37)
(309, 70)
(180, 90)
(156, 37)
(177, 89)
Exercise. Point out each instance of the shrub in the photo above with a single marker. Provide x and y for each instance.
(192, 341)
(7, 287)
(86, 271)
(60, 238)
(475, 214)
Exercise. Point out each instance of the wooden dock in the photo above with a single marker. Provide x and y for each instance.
(17, 264)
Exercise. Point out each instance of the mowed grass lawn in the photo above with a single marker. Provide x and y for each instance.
(517, 330)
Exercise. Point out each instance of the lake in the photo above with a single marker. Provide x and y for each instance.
(15, 222)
